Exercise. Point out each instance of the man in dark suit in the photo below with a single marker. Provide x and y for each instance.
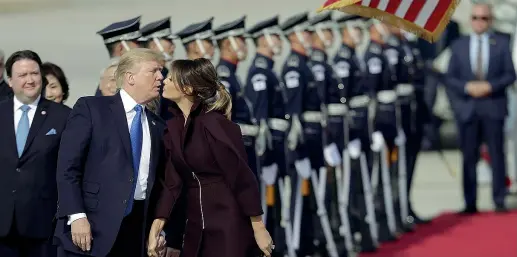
(480, 70)
(5, 91)
(30, 133)
(107, 164)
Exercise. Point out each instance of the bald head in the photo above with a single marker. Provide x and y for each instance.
(481, 17)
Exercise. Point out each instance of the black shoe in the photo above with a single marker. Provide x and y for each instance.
(501, 209)
(469, 211)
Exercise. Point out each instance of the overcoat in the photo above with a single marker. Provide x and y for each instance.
(205, 156)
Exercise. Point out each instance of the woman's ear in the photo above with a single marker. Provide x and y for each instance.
(189, 90)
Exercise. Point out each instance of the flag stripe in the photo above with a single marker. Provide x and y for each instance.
(374, 3)
(426, 12)
(383, 5)
(403, 8)
(365, 2)
(415, 9)
(438, 14)
(392, 6)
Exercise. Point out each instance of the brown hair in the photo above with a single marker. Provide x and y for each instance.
(201, 75)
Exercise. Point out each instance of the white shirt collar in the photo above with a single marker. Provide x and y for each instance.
(18, 104)
(128, 101)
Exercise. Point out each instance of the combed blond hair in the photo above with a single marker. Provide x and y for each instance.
(133, 58)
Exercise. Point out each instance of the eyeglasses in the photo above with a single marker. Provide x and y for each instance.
(482, 18)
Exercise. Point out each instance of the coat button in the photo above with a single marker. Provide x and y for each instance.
(18, 170)
(14, 191)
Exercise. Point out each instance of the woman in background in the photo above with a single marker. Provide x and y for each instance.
(205, 155)
(56, 89)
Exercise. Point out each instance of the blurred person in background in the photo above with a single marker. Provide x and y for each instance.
(158, 37)
(120, 37)
(108, 84)
(30, 136)
(480, 70)
(5, 90)
(197, 40)
(57, 88)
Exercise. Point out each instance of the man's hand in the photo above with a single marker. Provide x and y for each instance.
(478, 89)
(171, 252)
(162, 247)
(81, 234)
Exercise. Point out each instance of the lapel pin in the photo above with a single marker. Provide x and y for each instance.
(153, 122)
(43, 112)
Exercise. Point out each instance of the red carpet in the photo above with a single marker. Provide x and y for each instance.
(452, 235)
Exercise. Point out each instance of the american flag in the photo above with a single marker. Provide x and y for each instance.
(426, 18)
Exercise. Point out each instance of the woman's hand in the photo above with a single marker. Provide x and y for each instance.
(154, 237)
(262, 237)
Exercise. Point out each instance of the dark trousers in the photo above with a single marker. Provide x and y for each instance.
(472, 134)
(130, 238)
(15, 245)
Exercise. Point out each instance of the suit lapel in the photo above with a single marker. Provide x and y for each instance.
(119, 117)
(7, 130)
(39, 119)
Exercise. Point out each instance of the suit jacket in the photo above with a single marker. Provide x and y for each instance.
(28, 183)
(95, 169)
(5, 91)
(500, 74)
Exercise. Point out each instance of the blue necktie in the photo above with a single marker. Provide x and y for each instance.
(23, 129)
(136, 135)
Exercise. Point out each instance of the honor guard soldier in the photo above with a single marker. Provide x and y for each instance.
(120, 37)
(158, 36)
(350, 69)
(414, 110)
(298, 78)
(197, 40)
(322, 27)
(232, 46)
(266, 93)
(378, 76)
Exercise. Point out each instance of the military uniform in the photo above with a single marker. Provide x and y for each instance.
(414, 112)
(380, 77)
(241, 105)
(122, 32)
(198, 32)
(266, 93)
(305, 128)
(155, 31)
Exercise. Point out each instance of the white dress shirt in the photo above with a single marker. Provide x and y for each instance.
(145, 158)
(18, 112)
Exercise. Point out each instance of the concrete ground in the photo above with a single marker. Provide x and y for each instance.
(63, 32)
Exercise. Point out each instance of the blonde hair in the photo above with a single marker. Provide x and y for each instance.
(201, 75)
(131, 59)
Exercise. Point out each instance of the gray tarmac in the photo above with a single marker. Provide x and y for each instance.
(64, 32)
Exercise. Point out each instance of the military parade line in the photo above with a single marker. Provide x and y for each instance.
(332, 141)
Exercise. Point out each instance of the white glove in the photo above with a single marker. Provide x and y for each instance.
(377, 141)
(401, 138)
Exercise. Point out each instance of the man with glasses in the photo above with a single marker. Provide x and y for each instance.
(476, 87)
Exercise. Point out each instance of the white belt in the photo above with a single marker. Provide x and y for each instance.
(312, 117)
(337, 109)
(249, 130)
(278, 124)
(405, 89)
(387, 96)
(359, 101)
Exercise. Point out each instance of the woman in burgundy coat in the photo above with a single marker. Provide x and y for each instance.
(206, 156)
